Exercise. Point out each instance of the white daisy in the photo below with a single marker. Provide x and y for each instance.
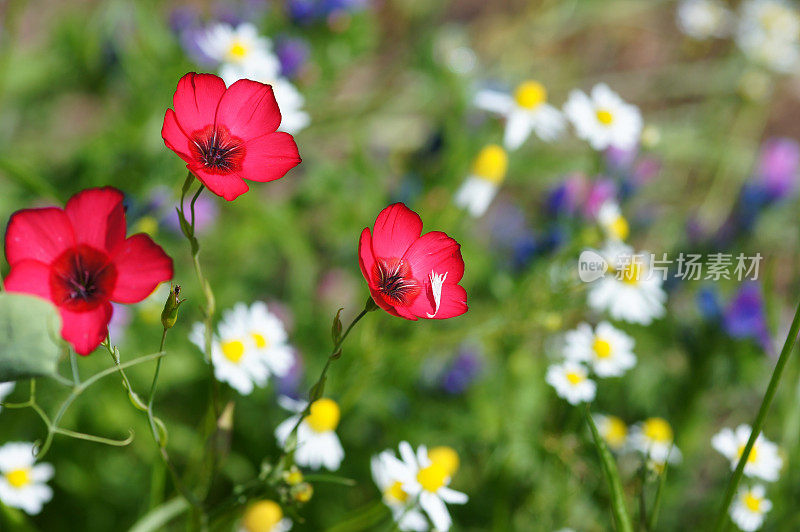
(654, 438)
(480, 186)
(571, 382)
(769, 33)
(268, 334)
(608, 350)
(241, 45)
(613, 430)
(703, 19)
(5, 390)
(317, 443)
(764, 461)
(427, 482)
(525, 112)
(749, 507)
(289, 100)
(22, 480)
(630, 291)
(612, 222)
(264, 516)
(404, 510)
(604, 119)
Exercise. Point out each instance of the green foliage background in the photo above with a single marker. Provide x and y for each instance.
(83, 90)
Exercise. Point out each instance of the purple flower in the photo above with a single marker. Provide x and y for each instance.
(602, 190)
(293, 54)
(744, 316)
(777, 169)
(565, 198)
(619, 159)
(462, 371)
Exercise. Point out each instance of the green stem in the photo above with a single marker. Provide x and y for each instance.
(158, 517)
(662, 480)
(618, 507)
(772, 388)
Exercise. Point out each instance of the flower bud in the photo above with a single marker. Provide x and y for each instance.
(170, 313)
(303, 492)
(293, 476)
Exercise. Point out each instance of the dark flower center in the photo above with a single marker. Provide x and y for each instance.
(218, 150)
(82, 278)
(395, 282)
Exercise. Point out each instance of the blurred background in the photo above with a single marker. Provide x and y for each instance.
(388, 87)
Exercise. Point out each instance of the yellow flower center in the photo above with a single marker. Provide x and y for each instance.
(604, 116)
(619, 228)
(19, 478)
(657, 430)
(395, 492)
(601, 348)
(447, 457)
(752, 502)
(631, 273)
(575, 378)
(751, 458)
(433, 477)
(530, 94)
(238, 51)
(324, 415)
(491, 164)
(233, 350)
(616, 432)
(262, 516)
(260, 341)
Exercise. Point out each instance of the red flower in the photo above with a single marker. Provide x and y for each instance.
(228, 135)
(79, 259)
(411, 275)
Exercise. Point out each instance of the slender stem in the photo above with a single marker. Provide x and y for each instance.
(662, 480)
(618, 507)
(772, 388)
(643, 496)
(73, 361)
(316, 389)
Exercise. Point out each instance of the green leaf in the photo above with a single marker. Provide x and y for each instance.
(29, 337)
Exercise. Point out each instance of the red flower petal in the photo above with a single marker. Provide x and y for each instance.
(174, 137)
(378, 299)
(396, 228)
(229, 186)
(453, 302)
(29, 277)
(38, 234)
(196, 99)
(435, 251)
(248, 109)
(269, 157)
(98, 217)
(141, 265)
(85, 330)
(365, 258)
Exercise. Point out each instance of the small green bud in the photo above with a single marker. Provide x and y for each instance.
(336, 328)
(170, 313)
(302, 492)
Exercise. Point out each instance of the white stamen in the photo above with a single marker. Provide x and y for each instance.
(437, 280)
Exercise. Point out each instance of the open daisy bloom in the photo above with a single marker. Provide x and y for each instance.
(613, 430)
(22, 481)
(525, 111)
(608, 350)
(571, 381)
(749, 507)
(409, 275)
(427, 481)
(317, 442)
(385, 468)
(79, 259)
(654, 438)
(480, 186)
(764, 460)
(227, 136)
(604, 119)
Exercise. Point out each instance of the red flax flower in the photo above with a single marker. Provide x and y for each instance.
(228, 135)
(79, 259)
(411, 275)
